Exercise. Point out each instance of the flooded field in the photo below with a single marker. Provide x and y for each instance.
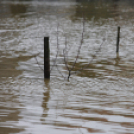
(97, 99)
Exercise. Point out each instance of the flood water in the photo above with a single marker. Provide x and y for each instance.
(97, 99)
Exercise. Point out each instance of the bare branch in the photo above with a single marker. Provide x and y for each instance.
(81, 69)
(69, 74)
(57, 48)
(64, 54)
(60, 72)
(81, 43)
(38, 63)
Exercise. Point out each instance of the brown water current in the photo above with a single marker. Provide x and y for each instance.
(97, 99)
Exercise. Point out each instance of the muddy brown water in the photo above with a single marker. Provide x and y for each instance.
(98, 99)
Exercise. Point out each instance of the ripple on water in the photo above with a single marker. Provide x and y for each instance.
(96, 100)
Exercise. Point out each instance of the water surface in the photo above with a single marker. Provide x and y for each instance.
(98, 99)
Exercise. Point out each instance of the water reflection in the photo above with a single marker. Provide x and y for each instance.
(117, 59)
(46, 97)
(9, 108)
(8, 117)
(9, 67)
(96, 9)
(18, 9)
(102, 68)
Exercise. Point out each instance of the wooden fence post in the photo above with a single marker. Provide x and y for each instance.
(46, 58)
(118, 40)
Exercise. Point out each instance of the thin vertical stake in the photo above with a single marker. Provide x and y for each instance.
(118, 39)
(46, 58)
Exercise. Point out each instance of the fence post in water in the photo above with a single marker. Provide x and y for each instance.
(118, 40)
(46, 58)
